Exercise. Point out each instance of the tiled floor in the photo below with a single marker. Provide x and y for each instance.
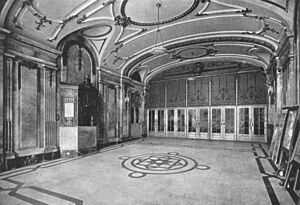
(156, 171)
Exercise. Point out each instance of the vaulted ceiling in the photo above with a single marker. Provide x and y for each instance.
(122, 32)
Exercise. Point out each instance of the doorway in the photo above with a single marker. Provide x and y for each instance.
(252, 123)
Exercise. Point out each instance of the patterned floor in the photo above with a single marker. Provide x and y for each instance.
(154, 171)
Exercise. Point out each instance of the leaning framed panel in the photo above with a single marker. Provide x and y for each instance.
(296, 152)
(288, 136)
(277, 136)
(291, 121)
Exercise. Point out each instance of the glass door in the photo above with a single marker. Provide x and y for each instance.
(151, 122)
(244, 125)
(170, 123)
(216, 124)
(223, 123)
(192, 123)
(228, 124)
(259, 124)
(252, 123)
(203, 123)
(160, 123)
(180, 122)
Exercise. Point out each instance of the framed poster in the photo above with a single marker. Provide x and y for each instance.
(278, 139)
(274, 140)
(289, 129)
(296, 152)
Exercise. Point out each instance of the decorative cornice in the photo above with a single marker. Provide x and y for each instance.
(3, 33)
(130, 21)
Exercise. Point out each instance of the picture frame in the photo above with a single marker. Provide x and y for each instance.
(277, 137)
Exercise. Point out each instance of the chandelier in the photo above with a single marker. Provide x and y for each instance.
(158, 49)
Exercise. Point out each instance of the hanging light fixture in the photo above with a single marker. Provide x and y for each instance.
(158, 49)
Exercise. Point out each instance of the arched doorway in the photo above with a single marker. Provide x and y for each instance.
(78, 68)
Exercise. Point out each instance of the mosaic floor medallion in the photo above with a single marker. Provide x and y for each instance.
(159, 163)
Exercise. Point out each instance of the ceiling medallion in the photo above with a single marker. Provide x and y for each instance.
(167, 20)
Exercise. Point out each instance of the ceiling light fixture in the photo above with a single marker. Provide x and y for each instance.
(158, 49)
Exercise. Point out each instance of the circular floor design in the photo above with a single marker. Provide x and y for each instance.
(159, 163)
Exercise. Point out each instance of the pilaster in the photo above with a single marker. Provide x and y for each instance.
(279, 86)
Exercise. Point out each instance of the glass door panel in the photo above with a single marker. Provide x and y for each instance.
(192, 120)
(203, 123)
(216, 123)
(151, 121)
(258, 130)
(229, 120)
(229, 124)
(181, 120)
(170, 121)
(161, 121)
(203, 120)
(216, 120)
(259, 121)
(244, 123)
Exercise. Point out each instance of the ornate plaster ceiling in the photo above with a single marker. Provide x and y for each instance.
(122, 32)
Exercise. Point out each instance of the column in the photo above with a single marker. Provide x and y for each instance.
(143, 112)
(15, 105)
(278, 86)
(119, 90)
(42, 106)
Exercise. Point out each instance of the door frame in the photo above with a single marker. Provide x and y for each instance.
(222, 135)
(251, 137)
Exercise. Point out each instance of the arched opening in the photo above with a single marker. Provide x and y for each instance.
(78, 68)
(212, 103)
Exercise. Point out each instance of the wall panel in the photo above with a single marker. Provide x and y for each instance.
(112, 113)
(176, 93)
(156, 97)
(29, 107)
(223, 90)
(252, 89)
(198, 92)
(50, 109)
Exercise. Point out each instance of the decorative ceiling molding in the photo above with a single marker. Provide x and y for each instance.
(180, 23)
(233, 9)
(215, 37)
(283, 4)
(43, 19)
(185, 13)
(194, 52)
(93, 11)
(97, 44)
(255, 51)
(139, 57)
(60, 27)
(98, 30)
(238, 59)
(130, 36)
(265, 27)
